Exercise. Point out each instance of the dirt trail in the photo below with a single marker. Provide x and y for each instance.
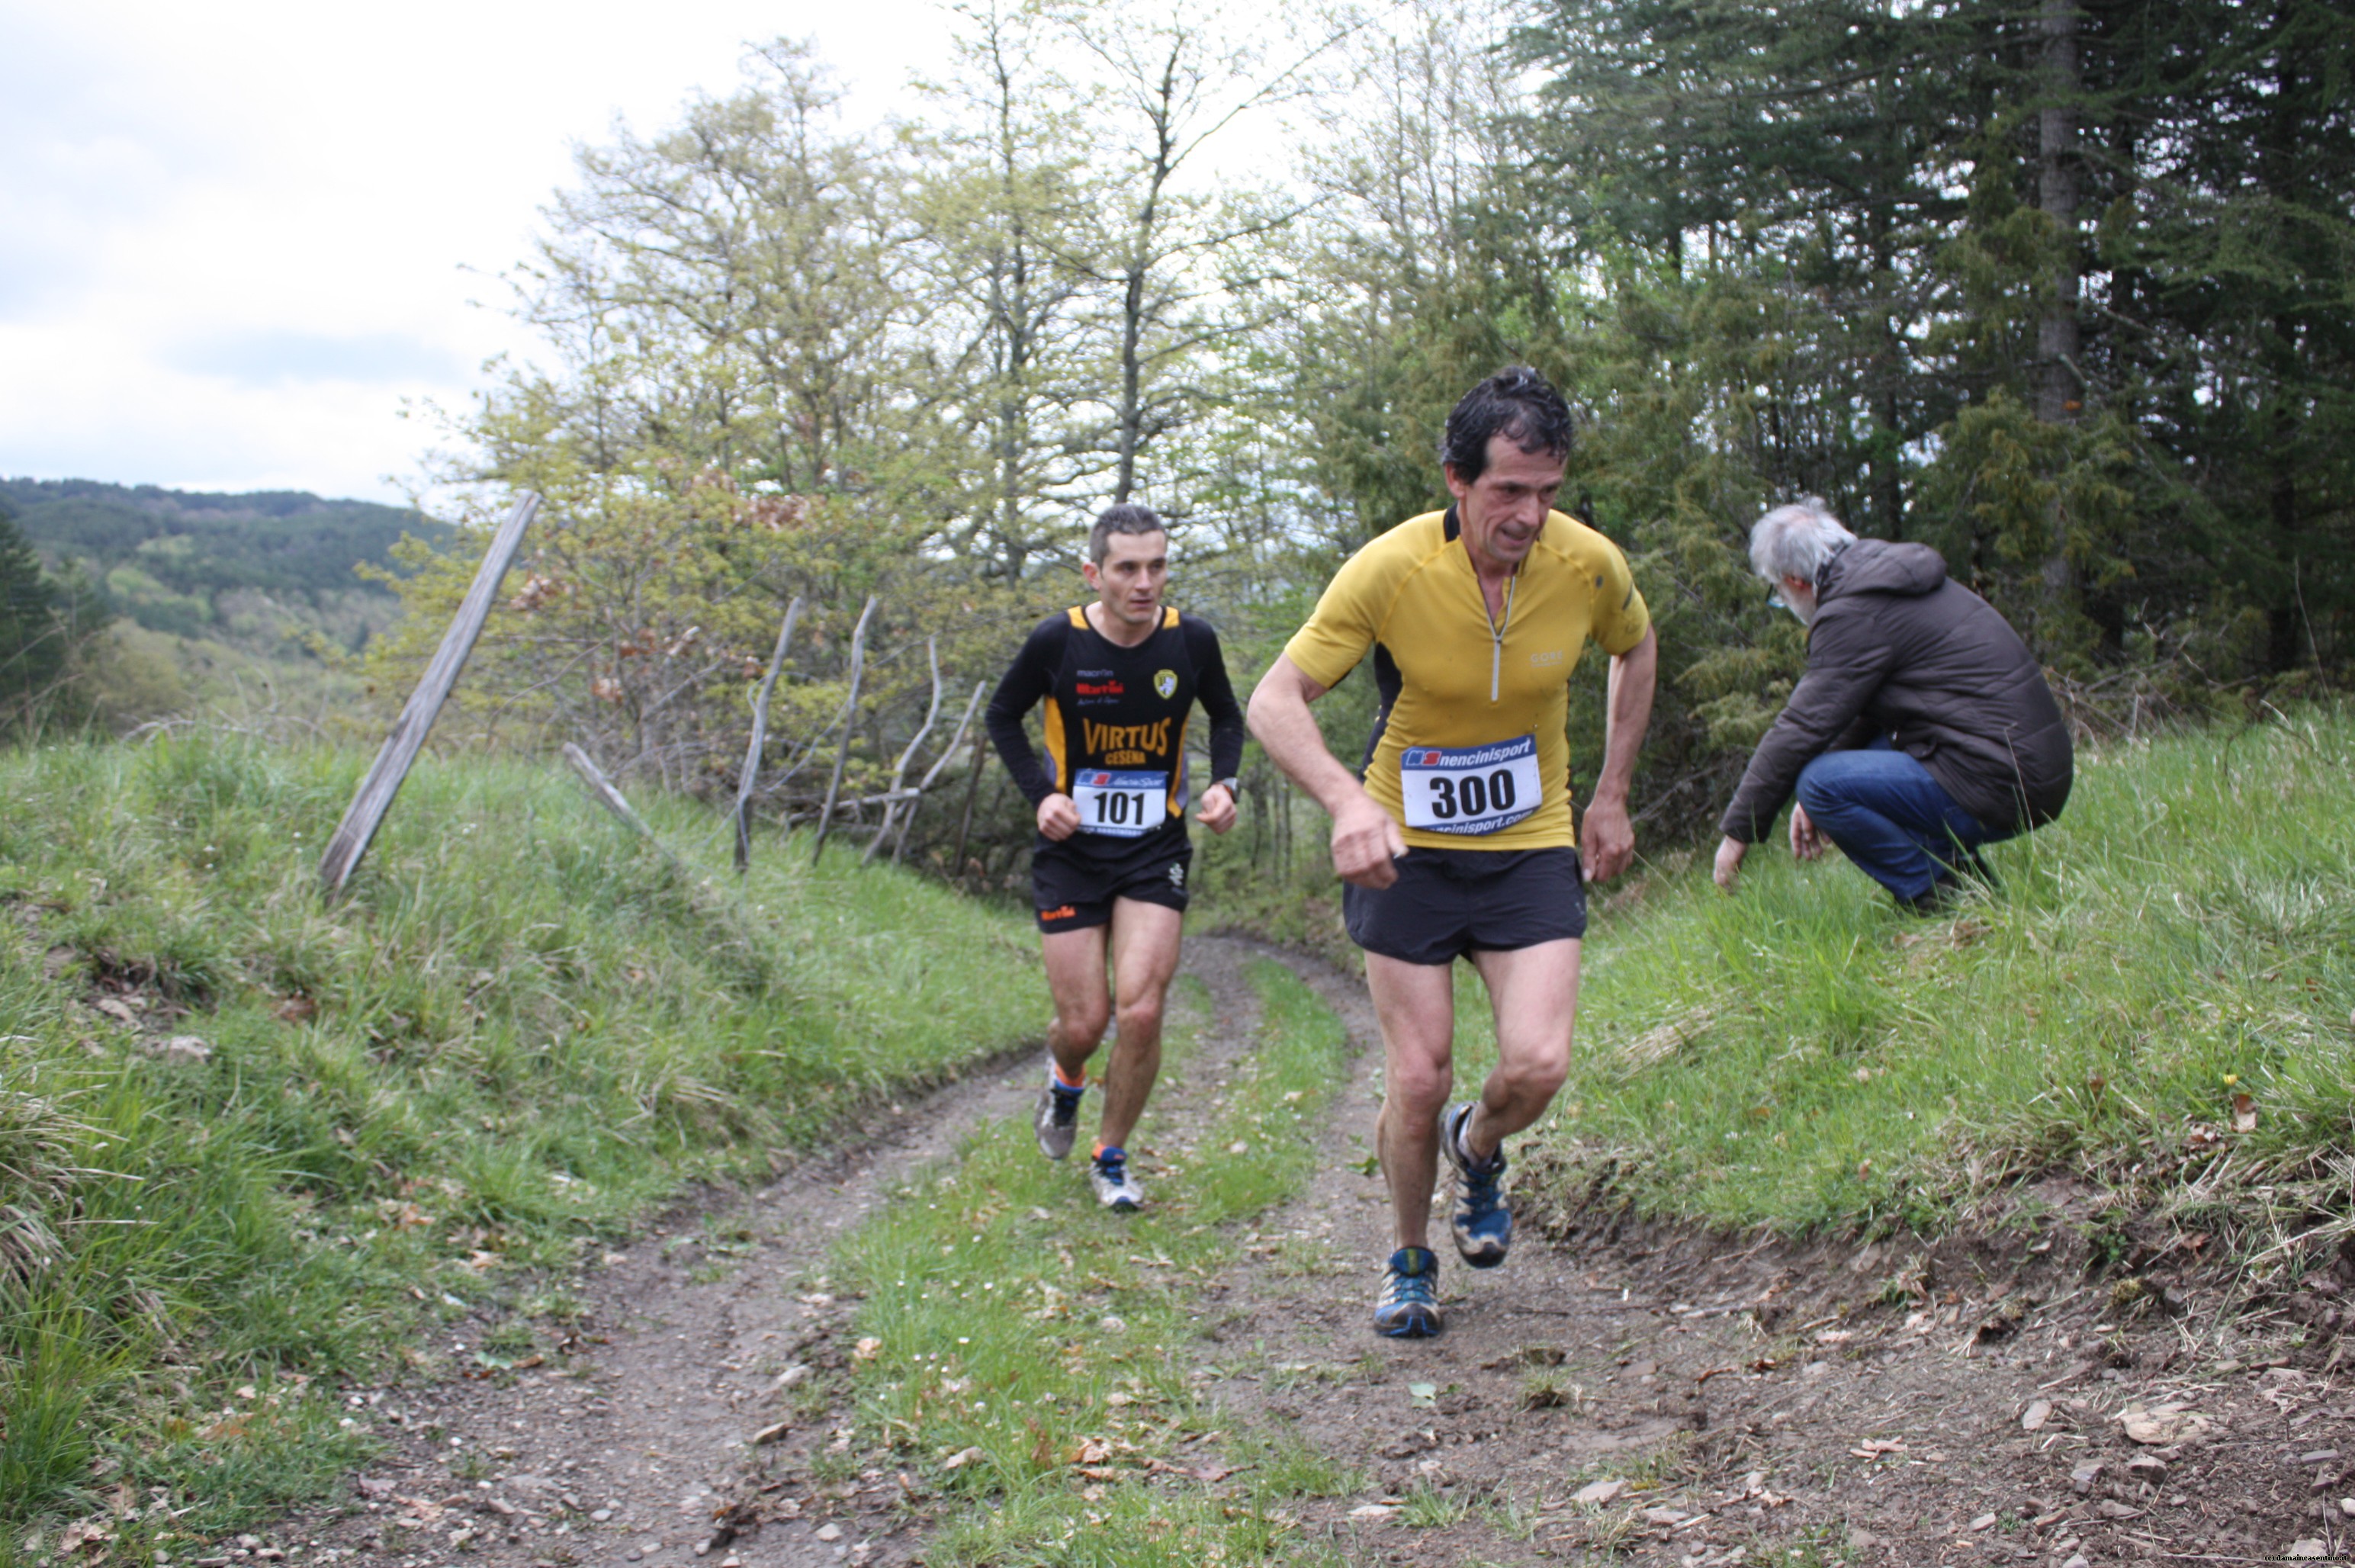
(1754, 1402)
(1750, 1404)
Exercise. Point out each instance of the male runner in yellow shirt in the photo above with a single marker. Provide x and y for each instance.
(1456, 838)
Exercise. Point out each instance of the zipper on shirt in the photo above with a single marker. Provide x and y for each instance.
(1496, 629)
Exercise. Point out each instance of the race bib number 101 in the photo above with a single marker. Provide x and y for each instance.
(1121, 805)
(1470, 789)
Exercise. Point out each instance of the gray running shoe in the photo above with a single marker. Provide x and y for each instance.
(1108, 1174)
(1058, 1121)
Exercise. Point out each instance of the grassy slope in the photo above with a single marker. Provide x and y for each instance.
(519, 1031)
(1800, 1057)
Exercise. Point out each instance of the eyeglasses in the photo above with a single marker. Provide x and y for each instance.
(1774, 599)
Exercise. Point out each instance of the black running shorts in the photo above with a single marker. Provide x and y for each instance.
(1448, 902)
(1072, 891)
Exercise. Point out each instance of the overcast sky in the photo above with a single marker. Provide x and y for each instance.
(234, 238)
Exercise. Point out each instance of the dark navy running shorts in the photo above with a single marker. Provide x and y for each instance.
(1071, 890)
(1448, 902)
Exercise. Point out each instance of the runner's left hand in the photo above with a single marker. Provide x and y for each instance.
(1610, 840)
(1218, 813)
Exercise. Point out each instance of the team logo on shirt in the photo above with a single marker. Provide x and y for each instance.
(1103, 740)
(1166, 683)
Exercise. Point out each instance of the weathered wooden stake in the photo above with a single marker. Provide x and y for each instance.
(607, 793)
(900, 770)
(751, 774)
(373, 798)
(849, 728)
(964, 822)
(900, 847)
(604, 790)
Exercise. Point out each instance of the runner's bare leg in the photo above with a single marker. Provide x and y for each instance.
(1416, 1005)
(1534, 993)
(1075, 979)
(1145, 942)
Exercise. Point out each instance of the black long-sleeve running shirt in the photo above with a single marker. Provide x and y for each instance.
(1115, 724)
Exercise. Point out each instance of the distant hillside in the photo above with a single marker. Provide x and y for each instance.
(259, 570)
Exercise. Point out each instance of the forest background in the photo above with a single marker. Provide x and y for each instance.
(2064, 288)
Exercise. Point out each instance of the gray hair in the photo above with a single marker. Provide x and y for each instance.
(1797, 540)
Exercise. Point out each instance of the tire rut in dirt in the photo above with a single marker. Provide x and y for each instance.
(673, 1370)
(634, 1450)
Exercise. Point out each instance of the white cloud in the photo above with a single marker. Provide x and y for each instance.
(234, 239)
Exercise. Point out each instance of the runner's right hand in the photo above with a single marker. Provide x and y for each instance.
(1366, 840)
(1058, 818)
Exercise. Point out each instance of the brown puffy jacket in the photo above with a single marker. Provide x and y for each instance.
(1900, 649)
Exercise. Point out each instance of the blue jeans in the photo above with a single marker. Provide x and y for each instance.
(1890, 818)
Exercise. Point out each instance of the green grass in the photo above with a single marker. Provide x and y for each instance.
(520, 1030)
(1802, 1058)
(1037, 1343)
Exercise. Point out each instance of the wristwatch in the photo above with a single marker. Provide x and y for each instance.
(1235, 787)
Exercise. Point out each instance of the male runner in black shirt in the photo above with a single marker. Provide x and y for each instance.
(1117, 679)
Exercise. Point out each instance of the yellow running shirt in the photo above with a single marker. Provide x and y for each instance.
(1471, 748)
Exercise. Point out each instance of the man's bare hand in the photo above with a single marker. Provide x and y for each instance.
(1806, 838)
(1729, 852)
(1059, 817)
(1218, 813)
(1366, 840)
(1610, 839)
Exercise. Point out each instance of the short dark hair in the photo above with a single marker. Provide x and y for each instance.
(1517, 403)
(1120, 519)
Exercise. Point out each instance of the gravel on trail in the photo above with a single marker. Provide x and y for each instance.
(1616, 1392)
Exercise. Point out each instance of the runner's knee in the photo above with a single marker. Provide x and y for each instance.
(1417, 1088)
(1145, 1013)
(1084, 1025)
(1534, 1076)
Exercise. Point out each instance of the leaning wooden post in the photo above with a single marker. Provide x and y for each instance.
(939, 763)
(751, 774)
(607, 793)
(849, 728)
(900, 770)
(392, 764)
(603, 792)
(972, 792)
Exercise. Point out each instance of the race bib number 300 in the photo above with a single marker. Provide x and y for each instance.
(1470, 789)
(1121, 805)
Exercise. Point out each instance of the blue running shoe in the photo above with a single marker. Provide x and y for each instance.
(1482, 1224)
(1407, 1307)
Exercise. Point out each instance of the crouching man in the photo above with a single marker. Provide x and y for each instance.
(1921, 730)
